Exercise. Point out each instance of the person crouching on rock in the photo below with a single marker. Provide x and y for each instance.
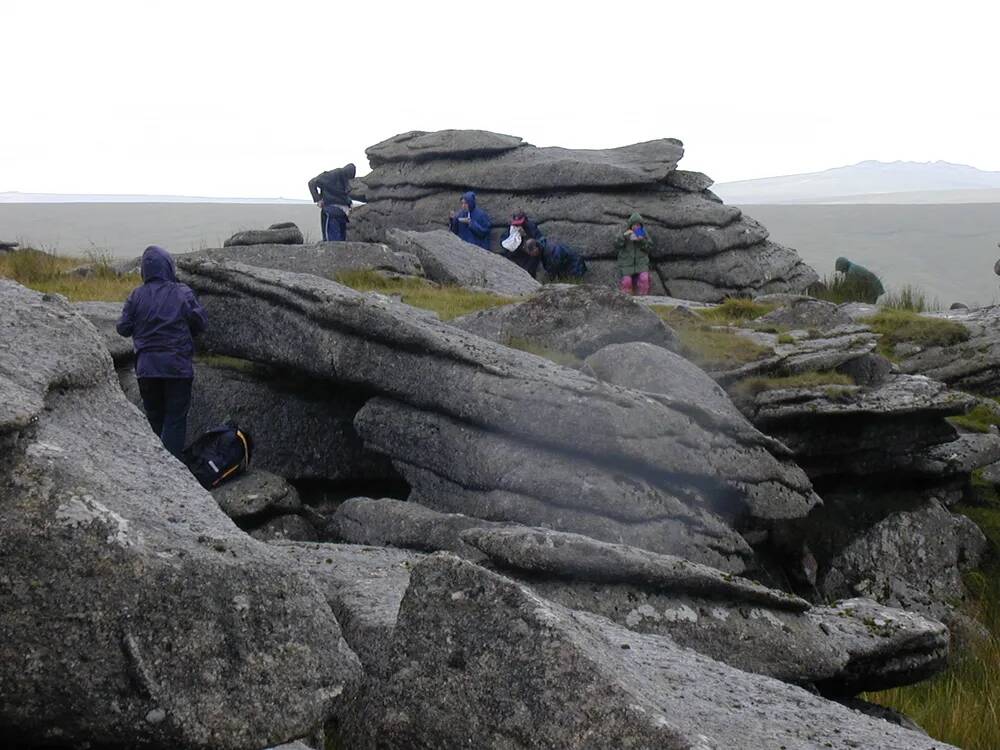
(865, 284)
(331, 191)
(522, 231)
(162, 317)
(470, 223)
(559, 261)
(634, 245)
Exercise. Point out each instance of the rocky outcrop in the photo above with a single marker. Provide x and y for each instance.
(704, 249)
(284, 233)
(842, 649)
(461, 417)
(573, 320)
(254, 493)
(450, 260)
(324, 259)
(127, 594)
(972, 365)
(104, 316)
(480, 661)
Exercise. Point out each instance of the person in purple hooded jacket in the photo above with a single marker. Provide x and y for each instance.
(162, 317)
(471, 224)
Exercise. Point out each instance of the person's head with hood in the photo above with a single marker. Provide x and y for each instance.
(157, 265)
(635, 220)
(469, 201)
(842, 264)
(350, 170)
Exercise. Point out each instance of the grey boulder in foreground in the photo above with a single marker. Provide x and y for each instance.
(134, 613)
(480, 661)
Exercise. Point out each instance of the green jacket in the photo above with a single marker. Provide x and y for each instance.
(861, 276)
(633, 255)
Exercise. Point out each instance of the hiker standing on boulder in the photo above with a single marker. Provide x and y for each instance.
(634, 245)
(868, 285)
(162, 317)
(470, 223)
(331, 191)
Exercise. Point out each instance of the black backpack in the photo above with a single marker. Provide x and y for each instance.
(222, 453)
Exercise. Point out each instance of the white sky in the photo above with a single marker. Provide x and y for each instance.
(253, 98)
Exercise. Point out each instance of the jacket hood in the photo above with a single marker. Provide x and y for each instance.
(470, 198)
(157, 265)
(842, 264)
(635, 218)
(350, 170)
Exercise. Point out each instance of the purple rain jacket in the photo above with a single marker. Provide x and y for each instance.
(161, 316)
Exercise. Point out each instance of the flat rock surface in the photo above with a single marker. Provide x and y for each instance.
(325, 259)
(450, 260)
(475, 656)
(807, 314)
(419, 145)
(363, 586)
(576, 320)
(127, 593)
(972, 365)
(255, 492)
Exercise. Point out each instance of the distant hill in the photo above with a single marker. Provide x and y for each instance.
(871, 182)
(15, 197)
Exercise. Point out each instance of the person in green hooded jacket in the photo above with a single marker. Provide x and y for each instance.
(868, 284)
(633, 246)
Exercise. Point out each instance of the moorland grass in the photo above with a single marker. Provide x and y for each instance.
(904, 326)
(962, 705)
(46, 272)
(734, 311)
(981, 419)
(709, 347)
(447, 301)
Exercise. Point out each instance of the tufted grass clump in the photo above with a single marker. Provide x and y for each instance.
(981, 419)
(903, 326)
(911, 298)
(447, 301)
(735, 311)
(48, 272)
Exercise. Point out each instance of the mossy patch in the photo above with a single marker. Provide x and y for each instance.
(902, 326)
(47, 272)
(447, 301)
(708, 346)
(734, 311)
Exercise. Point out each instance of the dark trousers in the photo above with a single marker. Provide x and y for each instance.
(166, 401)
(334, 224)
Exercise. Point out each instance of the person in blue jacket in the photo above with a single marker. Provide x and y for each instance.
(471, 224)
(162, 317)
(331, 192)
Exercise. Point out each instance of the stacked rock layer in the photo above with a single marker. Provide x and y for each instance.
(705, 250)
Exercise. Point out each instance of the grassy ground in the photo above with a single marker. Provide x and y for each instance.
(447, 301)
(904, 326)
(838, 289)
(46, 272)
(708, 346)
(980, 419)
(962, 705)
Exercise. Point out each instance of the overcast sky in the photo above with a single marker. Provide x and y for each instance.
(252, 99)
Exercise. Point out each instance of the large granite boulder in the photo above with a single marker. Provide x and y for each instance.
(450, 260)
(461, 417)
(575, 320)
(284, 233)
(325, 259)
(731, 619)
(104, 316)
(705, 250)
(134, 612)
(478, 660)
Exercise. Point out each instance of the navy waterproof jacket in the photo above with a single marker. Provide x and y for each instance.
(161, 316)
(477, 230)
